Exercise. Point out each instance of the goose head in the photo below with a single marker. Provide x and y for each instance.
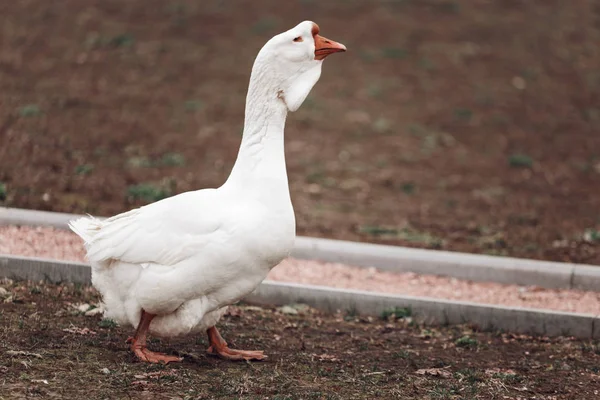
(292, 60)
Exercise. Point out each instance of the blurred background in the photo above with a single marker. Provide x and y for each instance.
(469, 125)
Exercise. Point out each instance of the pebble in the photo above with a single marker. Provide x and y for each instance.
(288, 310)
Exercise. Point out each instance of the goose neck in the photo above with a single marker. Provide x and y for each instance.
(261, 157)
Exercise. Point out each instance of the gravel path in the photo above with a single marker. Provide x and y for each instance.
(63, 245)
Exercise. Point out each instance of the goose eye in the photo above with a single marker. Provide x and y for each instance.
(298, 39)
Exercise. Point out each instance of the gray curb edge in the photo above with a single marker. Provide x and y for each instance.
(427, 310)
(474, 267)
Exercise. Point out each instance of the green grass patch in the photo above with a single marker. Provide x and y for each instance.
(30, 110)
(3, 191)
(166, 160)
(463, 114)
(520, 160)
(591, 235)
(408, 187)
(148, 192)
(84, 169)
(406, 234)
(396, 312)
(507, 377)
(107, 323)
(466, 341)
(192, 105)
(172, 160)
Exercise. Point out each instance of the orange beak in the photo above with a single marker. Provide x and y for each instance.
(325, 47)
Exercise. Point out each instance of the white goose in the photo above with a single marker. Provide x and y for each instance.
(172, 267)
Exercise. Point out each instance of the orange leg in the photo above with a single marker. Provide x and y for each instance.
(138, 343)
(218, 347)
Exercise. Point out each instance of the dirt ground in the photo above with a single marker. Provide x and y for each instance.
(467, 125)
(50, 349)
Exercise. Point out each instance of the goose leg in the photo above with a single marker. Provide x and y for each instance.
(138, 343)
(218, 347)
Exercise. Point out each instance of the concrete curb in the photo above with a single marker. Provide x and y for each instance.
(474, 267)
(19, 216)
(431, 310)
(43, 269)
(428, 310)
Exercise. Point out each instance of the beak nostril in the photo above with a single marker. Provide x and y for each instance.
(328, 42)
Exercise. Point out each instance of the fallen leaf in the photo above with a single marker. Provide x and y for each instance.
(493, 371)
(326, 357)
(81, 307)
(79, 331)
(23, 353)
(252, 308)
(376, 373)
(94, 311)
(443, 373)
(156, 374)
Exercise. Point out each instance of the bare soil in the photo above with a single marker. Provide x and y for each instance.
(467, 125)
(58, 244)
(50, 349)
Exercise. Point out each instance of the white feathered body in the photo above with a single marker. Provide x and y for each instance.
(187, 257)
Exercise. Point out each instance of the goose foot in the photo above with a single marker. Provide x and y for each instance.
(138, 343)
(143, 354)
(218, 347)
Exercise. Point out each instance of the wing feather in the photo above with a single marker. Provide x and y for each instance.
(164, 233)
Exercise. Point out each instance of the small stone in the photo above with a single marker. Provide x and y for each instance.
(560, 243)
(301, 307)
(519, 83)
(288, 310)
(105, 371)
(3, 292)
(314, 188)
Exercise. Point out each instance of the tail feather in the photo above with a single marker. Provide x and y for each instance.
(86, 228)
